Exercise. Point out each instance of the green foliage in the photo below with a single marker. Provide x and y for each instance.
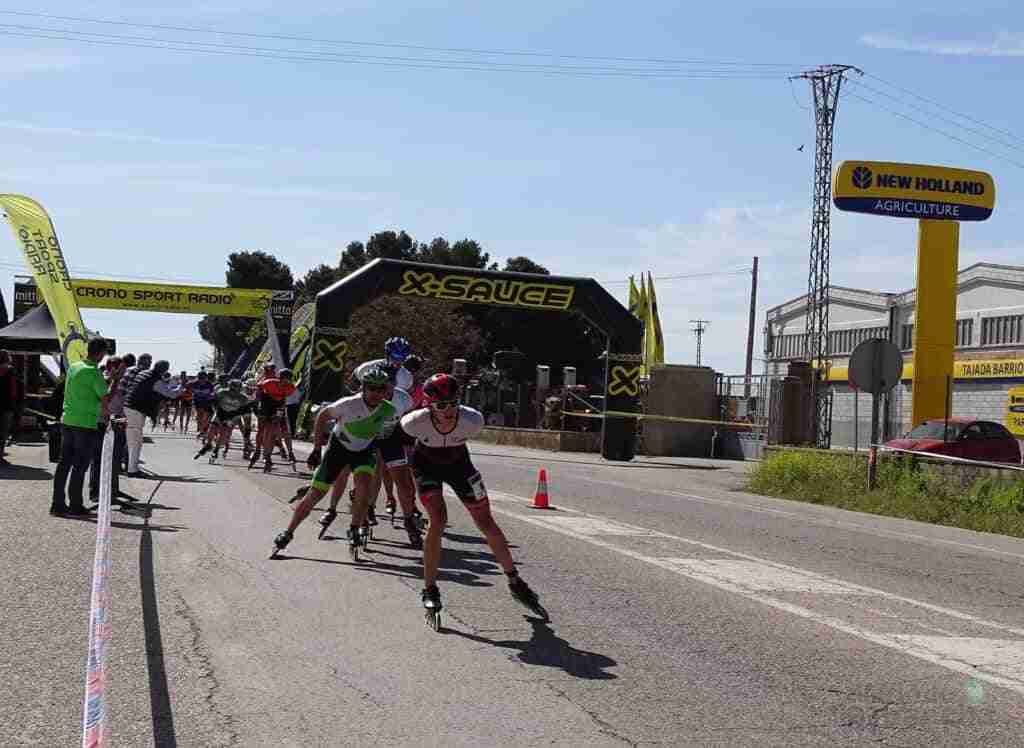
(905, 488)
(315, 281)
(524, 265)
(245, 270)
(439, 332)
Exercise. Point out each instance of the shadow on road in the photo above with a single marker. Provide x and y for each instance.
(547, 649)
(23, 472)
(159, 693)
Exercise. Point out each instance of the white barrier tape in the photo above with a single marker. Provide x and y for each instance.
(95, 731)
(952, 459)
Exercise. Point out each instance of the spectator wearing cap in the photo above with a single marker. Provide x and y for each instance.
(85, 389)
(8, 401)
(143, 401)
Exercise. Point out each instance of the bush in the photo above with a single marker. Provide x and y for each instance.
(905, 488)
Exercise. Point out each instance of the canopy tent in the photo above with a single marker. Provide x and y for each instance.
(34, 332)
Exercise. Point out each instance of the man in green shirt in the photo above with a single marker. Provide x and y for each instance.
(84, 391)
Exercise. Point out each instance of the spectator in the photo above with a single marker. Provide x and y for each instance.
(134, 371)
(112, 372)
(142, 401)
(8, 401)
(84, 392)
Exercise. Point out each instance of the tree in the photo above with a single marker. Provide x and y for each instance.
(245, 270)
(466, 253)
(315, 281)
(524, 265)
(438, 331)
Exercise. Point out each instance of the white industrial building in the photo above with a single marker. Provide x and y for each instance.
(989, 346)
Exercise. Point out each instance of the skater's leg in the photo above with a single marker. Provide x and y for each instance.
(480, 511)
(401, 478)
(434, 502)
(338, 488)
(362, 483)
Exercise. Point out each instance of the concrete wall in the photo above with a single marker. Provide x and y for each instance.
(556, 441)
(972, 398)
(683, 392)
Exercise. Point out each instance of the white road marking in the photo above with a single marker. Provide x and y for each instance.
(757, 577)
(990, 662)
(809, 519)
(1004, 657)
(597, 526)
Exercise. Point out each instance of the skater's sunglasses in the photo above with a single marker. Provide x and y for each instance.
(375, 387)
(445, 404)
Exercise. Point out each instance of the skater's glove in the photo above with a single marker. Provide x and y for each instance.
(313, 461)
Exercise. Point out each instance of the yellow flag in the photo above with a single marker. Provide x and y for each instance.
(657, 342)
(634, 297)
(642, 309)
(34, 231)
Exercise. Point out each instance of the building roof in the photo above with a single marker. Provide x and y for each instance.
(979, 272)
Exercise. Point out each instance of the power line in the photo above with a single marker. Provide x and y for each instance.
(948, 120)
(322, 57)
(392, 45)
(945, 108)
(951, 136)
(15, 265)
(681, 277)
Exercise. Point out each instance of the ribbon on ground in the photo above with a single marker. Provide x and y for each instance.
(95, 730)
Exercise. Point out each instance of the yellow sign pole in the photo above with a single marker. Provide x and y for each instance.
(938, 253)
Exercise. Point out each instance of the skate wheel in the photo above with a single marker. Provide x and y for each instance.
(433, 619)
(273, 553)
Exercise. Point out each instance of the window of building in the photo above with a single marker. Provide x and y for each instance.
(964, 332)
(1004, 330)
(907, 338)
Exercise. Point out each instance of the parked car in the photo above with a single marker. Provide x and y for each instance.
(962, 437)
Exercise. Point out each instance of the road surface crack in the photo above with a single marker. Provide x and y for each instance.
(605, 728)
(201, 655)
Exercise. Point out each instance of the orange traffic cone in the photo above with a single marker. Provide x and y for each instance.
(540, 499)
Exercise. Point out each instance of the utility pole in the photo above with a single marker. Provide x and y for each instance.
(749, 369)
(826, 82)
(701, 325)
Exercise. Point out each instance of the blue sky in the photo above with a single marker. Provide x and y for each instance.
(157, 164)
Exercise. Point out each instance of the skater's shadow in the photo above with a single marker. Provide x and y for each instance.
(370, 562)
(547, 649)
(453, 560)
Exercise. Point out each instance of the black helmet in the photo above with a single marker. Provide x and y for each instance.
(375, 376)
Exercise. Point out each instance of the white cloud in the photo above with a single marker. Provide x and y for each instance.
(17, 63)
(1001, 44)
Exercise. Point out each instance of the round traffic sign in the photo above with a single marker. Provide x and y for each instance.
(876, 366)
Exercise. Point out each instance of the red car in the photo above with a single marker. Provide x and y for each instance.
(962, 437)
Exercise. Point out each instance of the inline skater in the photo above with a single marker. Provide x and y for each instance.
(273, 416)
(230, 405)
(396, 351)
(249, 388)
(184, 419)
(357, 421)
(202, 400)
(441, 456)
(393, 462)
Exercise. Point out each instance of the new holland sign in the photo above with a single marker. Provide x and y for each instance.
(913, 191)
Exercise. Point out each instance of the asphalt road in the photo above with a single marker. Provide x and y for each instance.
(683, 612)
